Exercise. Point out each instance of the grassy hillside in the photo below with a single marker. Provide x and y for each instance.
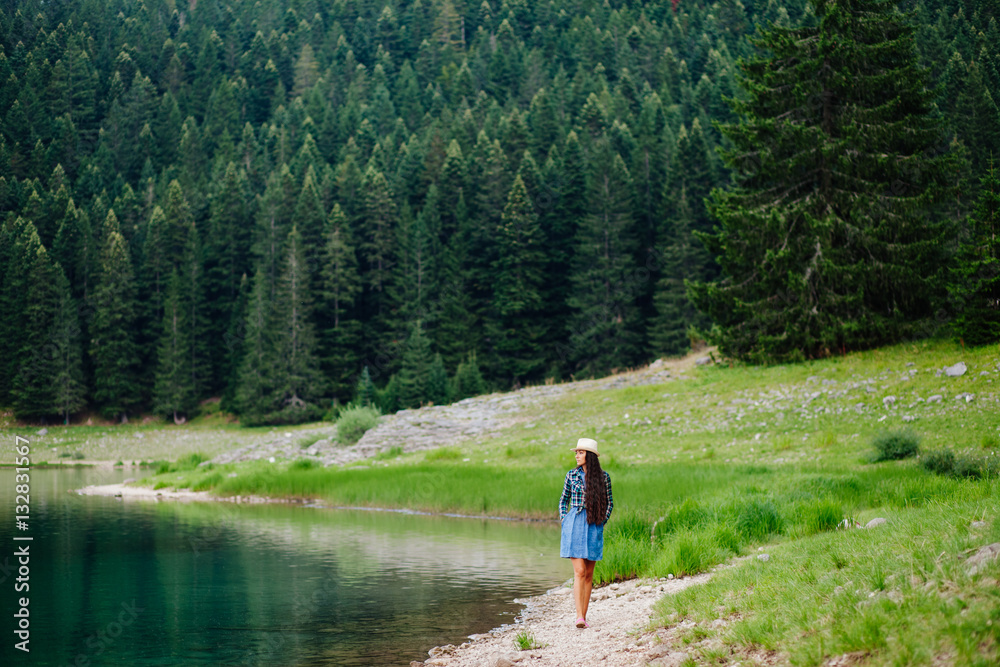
(721, 462)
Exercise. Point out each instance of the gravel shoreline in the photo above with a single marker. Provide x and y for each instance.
(620, 632)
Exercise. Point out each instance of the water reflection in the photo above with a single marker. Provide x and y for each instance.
(130, 583)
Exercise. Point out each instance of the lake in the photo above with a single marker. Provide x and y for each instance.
(168, 583)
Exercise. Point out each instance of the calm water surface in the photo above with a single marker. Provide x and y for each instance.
(147, 583)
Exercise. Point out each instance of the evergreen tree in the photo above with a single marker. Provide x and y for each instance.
(437, 381)
(365, 393)
(520, 323)
(37, 361)
(297, 383)
(832, 239)
(468, 380)
(378, 224)
(414, 375)
(112, 333)
(976, 276)
(19, 245)
(604, 326)
(258, 365)
(64, 343)
(341, 284)
(174, 392)
(681, 255)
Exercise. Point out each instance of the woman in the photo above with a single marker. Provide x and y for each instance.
(584, 508)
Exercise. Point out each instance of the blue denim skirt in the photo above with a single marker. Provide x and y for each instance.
(579, 538)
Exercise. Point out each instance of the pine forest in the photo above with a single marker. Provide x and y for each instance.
(295, 204)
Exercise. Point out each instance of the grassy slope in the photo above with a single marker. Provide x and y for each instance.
(725, 461)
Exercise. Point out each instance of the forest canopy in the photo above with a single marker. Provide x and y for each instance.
(290, 202)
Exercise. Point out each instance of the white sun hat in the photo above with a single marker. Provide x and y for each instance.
(587, 445)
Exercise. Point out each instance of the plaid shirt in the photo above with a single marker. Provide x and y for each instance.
(572, 495)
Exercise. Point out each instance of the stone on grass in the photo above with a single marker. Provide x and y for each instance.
(936, 398)
(671, 659)
(978, 560)
(955, 371)
(977, 524)
(878, 521)
(42, 431)
(703, 361)
(889, 401)
(764, 557)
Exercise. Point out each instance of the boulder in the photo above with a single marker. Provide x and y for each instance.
(955, 371)
(979, 560)
(703, 361)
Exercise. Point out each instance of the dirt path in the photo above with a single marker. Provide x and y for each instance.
(619, 634)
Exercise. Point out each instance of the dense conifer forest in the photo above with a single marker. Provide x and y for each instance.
(291, 202)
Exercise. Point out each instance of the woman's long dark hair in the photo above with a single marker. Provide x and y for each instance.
(595, 492)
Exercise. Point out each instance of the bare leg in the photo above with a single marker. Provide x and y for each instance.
(583, 584)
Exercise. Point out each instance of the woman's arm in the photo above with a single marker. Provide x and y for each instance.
(564, 499)
(611, 502)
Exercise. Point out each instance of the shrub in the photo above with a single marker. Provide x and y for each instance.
(757, 519)
(727, 539)
(355, 421)
(443, 454)
(822, 515)
(189, 462)
(941, 462)
(303, 464)
(391, 453)
(628, 526)
(969, 467)
(207, 482)
(893, 446)
(687, 554)
(689, 514)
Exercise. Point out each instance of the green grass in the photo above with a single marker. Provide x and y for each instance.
(715, 464)
(524, 640)
(898, 594)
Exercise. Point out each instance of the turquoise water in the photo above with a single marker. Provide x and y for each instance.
(167, 583)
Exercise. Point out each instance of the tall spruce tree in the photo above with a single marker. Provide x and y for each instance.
(976, 275)
(298, 383)
(252, 396)
(69, 388)
(112, 333)
(174, 391)
(37, 361)
(519, 325)
(414, 375)
(681, 255)
(832, 239)
(341, 284)
(604, 330)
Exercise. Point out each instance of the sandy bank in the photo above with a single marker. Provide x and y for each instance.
(619, 634)
(130, 492)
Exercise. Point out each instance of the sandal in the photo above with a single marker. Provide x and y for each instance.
(582, 623)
